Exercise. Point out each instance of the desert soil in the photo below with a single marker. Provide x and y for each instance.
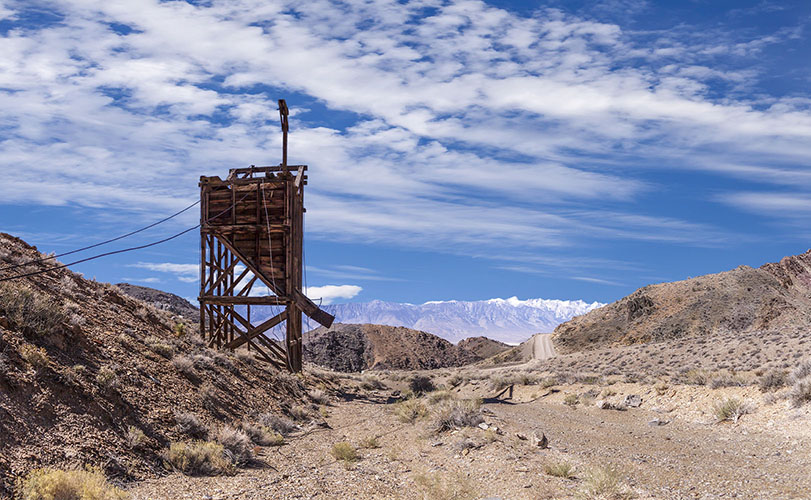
(763, 456)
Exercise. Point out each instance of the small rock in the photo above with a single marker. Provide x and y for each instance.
(520, 436)
(522, 469)
(656, 422)
(633, 401)
(437, 443)
(465, 452)
(483, 426)
(3, 321)
(540, 441)
(602, 404)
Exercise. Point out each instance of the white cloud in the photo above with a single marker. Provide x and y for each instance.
(476, 127)
(188, 273)
(328, 294)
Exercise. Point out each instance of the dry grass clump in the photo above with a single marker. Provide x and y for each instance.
(369, 443)
(26, 307)
(238, 446)
(189, 424)
(439, 486)
(456, 414)
(184, 365)
(319, 396)
(77, 484)
(135, 437)
(604, 483)
(345, 453)
(410, 410)
(772, 381)
(161, 349)
(438, 396)
(262, 435)
(199, 458)
(562, 469)
(571, 399)
(731, 409)
(694, 377)
(35, 356)
(280, 424)
(800, 380)
(727, 379)
(107, 378)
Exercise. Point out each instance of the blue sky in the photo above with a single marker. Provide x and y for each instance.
(457, 150)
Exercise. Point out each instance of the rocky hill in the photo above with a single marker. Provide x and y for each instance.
(483, 347)
(91, 376)
(776, 295)
(506, 320)
(353, 348)
(164, 301)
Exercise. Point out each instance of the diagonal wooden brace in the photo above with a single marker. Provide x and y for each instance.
(257, 330)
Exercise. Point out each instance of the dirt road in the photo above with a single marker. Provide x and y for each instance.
(680, 460)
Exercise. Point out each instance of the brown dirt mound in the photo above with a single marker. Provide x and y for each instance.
(776, 295)
(81, 362)
(482, 346)
(352, 348)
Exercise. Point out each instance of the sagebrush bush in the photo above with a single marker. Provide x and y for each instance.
(456, 414)
(135, 437)
(571, 399)
(420, 384)
(604, 482)
(299, 412)
(800, 380)
(772, 381)
(161, 348)
(199, 458)
(280, 424)
(77, 484)
(319, 396)
(184, 365)
(344, 452)
(731, 409)
(189, 424)
(438, 396)
(35, 356)
(26, 307)
(262, 434)
(410, 410)
(370, 383)
(559, 469)
(369, 443)
(437, 486)
(107, 378)
(238, 446)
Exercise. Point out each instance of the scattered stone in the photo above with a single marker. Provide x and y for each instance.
(520, 436)
(603, 404)
(633, 401)
(465, 452)
(522, 469)
(540, 441)
(483, 426)
(3, 321)
(437, 443)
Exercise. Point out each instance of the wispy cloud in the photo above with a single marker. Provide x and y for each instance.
(188, 273)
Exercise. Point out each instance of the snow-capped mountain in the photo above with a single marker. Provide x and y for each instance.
(508, 320)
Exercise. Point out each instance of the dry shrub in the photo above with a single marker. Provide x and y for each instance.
(726, 379)
(410, 410)
(26, 307)
(345, 453)
(199, 458)
(238, 446)
(369, 443)
(695, 377)
(772, 381)
(571, 399)
(800, 380)
(319, 396)
(438, 396)
(299, 412)
(456, 414)
(189, 424)
(135, 437)
(107, 378)
(563, 469)
(35, 356)
(420, 384)
(77, 484)
(184, 365)
(160, 348)
(262, 435)
(280, 424)
(731, 409)
(604, 483)
(437, 486)
(548, 382)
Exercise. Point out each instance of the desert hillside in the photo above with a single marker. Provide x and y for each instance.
(483, 347)
(164, 301)
(353, 348)
(776, 295)
(90, 375)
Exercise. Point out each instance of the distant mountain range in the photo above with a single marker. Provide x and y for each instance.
(508, 320)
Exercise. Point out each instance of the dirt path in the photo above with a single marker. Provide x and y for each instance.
(542, 347)
(680, 460)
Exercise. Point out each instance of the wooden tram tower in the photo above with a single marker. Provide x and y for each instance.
(251, 229)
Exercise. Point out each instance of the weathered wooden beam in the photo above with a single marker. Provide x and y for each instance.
(257, 330)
